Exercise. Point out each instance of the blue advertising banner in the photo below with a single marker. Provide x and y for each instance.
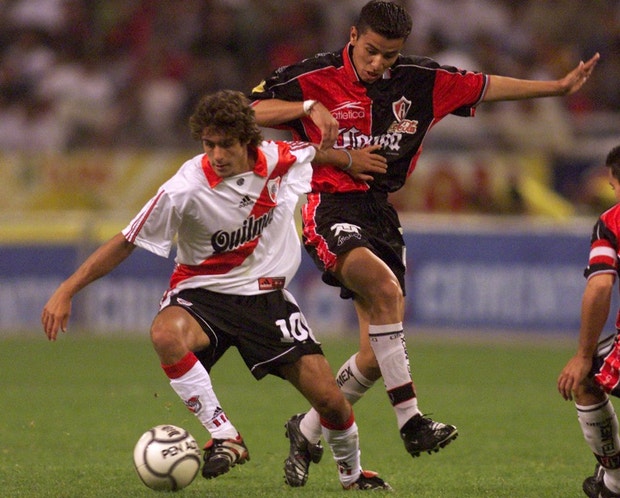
(466, 280)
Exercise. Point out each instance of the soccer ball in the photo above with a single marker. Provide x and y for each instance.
(167, 458)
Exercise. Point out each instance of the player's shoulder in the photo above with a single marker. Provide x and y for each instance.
(188, 175)
(420, 61)
(422, 64)
(316, 62)
(279, 148)
(611, 217)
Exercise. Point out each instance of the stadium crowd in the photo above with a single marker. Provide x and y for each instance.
(127, 72)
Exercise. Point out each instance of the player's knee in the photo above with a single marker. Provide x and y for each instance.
(386, 294)
(167, 337)
(333, 407)
(589, 393)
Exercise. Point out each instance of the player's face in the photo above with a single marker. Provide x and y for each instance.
(227, 155)
(373, 53)
(615, 184)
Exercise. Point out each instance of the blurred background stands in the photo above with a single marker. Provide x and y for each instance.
(126, 74)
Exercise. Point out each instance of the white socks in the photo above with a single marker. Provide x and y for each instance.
(344, 444)
(352, 384)
(600, 430)
(388, 344)
(192, 383)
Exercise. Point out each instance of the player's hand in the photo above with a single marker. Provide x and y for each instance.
(572, 375)
(325, 122)
(55, 315)
(574, 80)
(366, 163)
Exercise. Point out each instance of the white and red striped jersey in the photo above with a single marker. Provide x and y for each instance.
(605, 247)
(234, 235)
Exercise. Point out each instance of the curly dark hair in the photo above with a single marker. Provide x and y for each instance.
(227, 112)
(387, 19)
(613, 162)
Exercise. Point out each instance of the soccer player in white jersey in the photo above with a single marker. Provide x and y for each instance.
(231, 213)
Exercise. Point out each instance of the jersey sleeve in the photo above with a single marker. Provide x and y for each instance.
(281, 84)
(154, 228)
(301, 174)
(603, 256)
(457, 92)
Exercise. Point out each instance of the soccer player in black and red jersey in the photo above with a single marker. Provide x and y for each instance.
(378, 105)
(594, 372)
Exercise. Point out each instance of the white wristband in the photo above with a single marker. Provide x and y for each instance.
(348, 166)
(308, 105)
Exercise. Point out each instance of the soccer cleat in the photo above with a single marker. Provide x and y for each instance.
(594, 486)
(301, 453)
(420, 434)
(369, 481)
(221, 455)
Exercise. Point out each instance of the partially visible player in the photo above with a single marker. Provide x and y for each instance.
(378, 104)
(231, 213)
(594, 372)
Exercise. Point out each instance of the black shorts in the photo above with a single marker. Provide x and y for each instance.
(269, 329)
(337, 223)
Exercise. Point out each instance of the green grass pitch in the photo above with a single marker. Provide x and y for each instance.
(71, 412)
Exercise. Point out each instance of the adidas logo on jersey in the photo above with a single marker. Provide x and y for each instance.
(245, 201)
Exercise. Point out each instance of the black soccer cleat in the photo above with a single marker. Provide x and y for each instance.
(594, 486)
(301, 453)
(221, 455)
(421, 434)
(369, 481)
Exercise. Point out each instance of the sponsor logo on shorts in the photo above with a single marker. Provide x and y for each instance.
(345, 231)
(271, 283)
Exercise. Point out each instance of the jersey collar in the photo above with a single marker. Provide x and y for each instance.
(260, 168)
(348, 63)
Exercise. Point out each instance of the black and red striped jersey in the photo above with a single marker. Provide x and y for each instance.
(604, 244)
(396, 111)
(604, 249)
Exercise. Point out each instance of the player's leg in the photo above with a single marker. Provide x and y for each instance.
(599, 425)
(176, 335)
(380, 302)
(365, 365)
(350, 379)
(312, 376)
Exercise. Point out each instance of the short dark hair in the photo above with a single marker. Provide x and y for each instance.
(613, 162)
(228, 112)
(387, 19)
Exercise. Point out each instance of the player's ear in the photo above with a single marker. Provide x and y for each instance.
(353, 35)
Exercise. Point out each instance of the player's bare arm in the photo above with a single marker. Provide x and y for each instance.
(361, 164)
(506, 88)
(594, 312)
(273, 112)
(56, 312)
